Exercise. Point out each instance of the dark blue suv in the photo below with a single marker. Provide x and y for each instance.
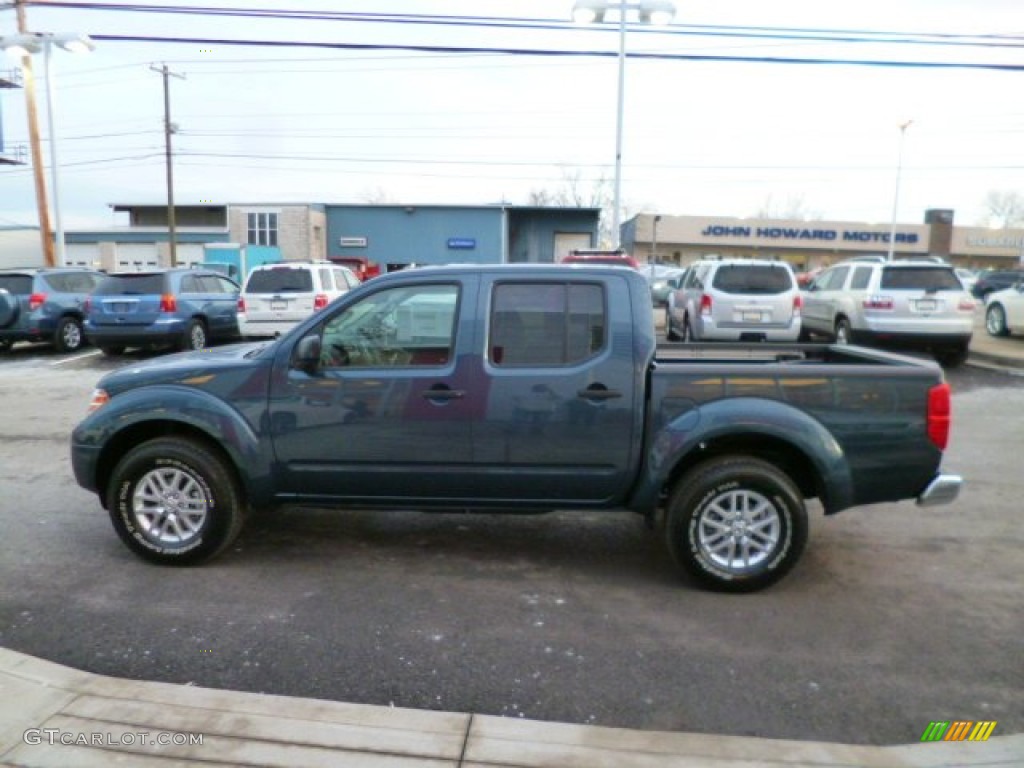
(182, 308)
(45, 304)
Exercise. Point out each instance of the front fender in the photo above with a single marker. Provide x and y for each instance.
(688, 437)
(132, 417)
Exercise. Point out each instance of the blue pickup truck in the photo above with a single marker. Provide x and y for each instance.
(515, 388)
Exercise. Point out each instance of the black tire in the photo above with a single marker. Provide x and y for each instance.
(69, 336)
(194, 337)
(995, 321)
(952, 357)
(5, 344)
(726, 504)
(175, 502)
(805, 336)
(114, 350)
(843, 333)
(670, 332)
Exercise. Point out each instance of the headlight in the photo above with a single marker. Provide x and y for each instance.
(98, 400)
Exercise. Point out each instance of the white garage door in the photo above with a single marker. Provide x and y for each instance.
(82, 254)
(189, 254)
(136, 256)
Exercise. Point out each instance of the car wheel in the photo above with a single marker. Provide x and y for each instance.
(195, 335)
(805, 336)
(115, 350)
(670, 332)
(173, 501)
(842, 332)
(68, 336)
(995, 321)
(736, 524)
(5, 344)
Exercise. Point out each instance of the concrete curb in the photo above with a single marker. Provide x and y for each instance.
(52, 715)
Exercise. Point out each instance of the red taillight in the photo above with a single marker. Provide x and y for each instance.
(241, 305)
(939, 415)
(87, 305)
(965, 305)
(319, 302)
(36, 300)
(798, 304)
(705, 305)
(879, 302)
(168, 303)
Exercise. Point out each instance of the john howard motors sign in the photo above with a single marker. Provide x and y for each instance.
(812, 235)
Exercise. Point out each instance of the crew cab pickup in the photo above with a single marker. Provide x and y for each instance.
(515, 388)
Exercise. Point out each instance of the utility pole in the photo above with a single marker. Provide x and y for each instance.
(169, 129)
(45, 233)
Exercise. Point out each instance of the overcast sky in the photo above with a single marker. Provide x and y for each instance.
(290, 123)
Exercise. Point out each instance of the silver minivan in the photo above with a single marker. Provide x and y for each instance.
(736, 300)
(911, 304)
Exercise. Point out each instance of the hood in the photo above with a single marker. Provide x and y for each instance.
(196, 369)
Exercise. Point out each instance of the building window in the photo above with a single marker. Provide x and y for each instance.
(262, 229)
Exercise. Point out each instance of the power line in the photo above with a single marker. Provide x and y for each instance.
(552, 52)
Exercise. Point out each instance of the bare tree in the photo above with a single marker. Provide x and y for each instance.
(1004, 209)
(574, 191)
(377, 196)
(792, 207)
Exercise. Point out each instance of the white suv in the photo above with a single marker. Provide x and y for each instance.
(917, 304)
(276, 297)
(735, 300)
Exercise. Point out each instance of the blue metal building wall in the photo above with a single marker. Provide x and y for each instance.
(411, 234)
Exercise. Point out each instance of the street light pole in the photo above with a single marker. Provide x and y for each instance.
(654, 243)
(896, 192)
(650, 11)
(25, 44)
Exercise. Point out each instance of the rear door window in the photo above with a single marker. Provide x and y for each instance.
(920, 279)
(546, 324)
(753, 279)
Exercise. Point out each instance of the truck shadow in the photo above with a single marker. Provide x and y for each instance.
(469, 543)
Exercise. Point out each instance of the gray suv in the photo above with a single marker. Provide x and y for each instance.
(911, 304)
(735, 300)
(44, 304)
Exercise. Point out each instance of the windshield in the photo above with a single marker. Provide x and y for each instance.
(16, 284)
(920, 279)
(280, 280)
(139, 284)
(758, 279)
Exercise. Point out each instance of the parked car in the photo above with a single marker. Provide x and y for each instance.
(44, 304)
(1004, 311)
(912, 304)
(663, 281)
(598, 256)
(736, 300)
(967, 278)
(996, 280)
(277, 296)
(182, 308)
(515, 387)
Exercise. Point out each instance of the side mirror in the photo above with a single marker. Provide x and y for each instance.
(306, 356)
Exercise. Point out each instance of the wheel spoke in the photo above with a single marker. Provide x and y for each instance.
(169, 505)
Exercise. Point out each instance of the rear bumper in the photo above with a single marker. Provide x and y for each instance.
(943, 489)
(265, 328)
(161, 333)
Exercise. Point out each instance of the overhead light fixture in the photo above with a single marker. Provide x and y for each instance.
(589, 11)
(657, 12)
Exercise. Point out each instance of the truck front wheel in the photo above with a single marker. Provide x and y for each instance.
(174, 501)
(736, 524)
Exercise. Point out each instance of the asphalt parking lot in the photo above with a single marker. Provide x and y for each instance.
(897, 616)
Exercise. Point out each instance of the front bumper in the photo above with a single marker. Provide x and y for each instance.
(943, 489)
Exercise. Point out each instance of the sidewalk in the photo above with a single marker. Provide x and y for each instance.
(95, 721)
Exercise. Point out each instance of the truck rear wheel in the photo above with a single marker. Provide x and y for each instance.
(174, 501)
(736, 524)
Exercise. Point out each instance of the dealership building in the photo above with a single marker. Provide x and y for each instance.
(808, 244)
